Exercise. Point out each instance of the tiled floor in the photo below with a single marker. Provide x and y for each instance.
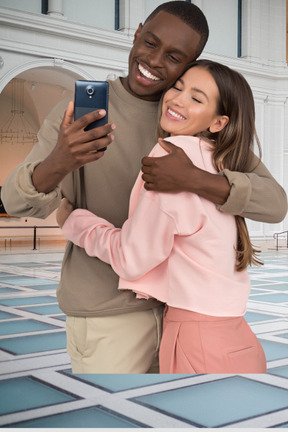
(37, 389)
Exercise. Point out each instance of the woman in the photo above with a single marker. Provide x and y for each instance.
(179, 248)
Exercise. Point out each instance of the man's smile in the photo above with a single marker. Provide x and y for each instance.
(147, 74)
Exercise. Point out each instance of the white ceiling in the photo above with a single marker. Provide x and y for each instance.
(50, 76)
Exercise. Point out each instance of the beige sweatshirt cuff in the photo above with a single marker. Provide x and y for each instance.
(240, 193)
(27, 190)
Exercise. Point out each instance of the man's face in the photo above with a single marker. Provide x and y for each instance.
(162, 49)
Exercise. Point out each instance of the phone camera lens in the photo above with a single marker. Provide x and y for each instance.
(90, 90)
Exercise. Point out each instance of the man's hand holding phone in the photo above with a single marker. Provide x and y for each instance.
(85, 139)
(76, 146)
(79, 146)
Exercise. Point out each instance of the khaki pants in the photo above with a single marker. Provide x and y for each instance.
(127, 343)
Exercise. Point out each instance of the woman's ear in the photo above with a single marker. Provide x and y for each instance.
(137, 32)
(219, 124)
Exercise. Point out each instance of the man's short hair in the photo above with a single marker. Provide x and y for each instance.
(188, 13)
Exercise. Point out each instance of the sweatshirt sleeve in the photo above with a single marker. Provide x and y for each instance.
(255, 195)
(19, 196)
(145, 240)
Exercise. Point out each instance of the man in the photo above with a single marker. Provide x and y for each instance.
(109, 331)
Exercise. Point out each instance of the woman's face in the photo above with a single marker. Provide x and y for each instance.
(190, 106)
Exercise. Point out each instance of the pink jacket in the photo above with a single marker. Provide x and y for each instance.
(177, 248)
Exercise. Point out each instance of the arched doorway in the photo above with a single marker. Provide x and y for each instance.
(32, 92)
(25, 101)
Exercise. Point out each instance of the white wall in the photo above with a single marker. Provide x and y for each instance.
(222, 17)
(221, 14)
(56, 51)
(24, 5)
(95, 13)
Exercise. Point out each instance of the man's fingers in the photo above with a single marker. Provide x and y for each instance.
(148, 161)
(147, 178)
(99, 132)
(79, 125)
(147, 169)
(167, 145)
(90, 143)
(84, 121)
(69, 115)
(149, 186)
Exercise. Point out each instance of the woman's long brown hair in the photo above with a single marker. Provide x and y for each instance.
(233, 145)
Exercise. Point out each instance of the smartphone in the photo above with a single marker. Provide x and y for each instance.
(91, 96)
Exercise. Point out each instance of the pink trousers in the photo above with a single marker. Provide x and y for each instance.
(196, 343)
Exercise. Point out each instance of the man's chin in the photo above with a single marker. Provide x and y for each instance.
(145, 90)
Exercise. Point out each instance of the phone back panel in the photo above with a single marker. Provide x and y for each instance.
(91, 96)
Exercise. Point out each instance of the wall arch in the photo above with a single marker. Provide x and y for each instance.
(55, 64)
(45, 83)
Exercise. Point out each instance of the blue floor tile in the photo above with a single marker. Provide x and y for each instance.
(44, 310)
(60, 317)
(25, 264)
(120, 382)
(6, 315)
(283, 335)
(280, 371)
(254, 317)
(43, 287)
(281, 278)
(35, 343)
(90, 417)
(5, 290)
(281, 287)
(272, 298)
(274, 350)
(257, 282)
(30, 281)
(219, 403)
(257, 291)
(22, 394)
(24, 326)
(27, 301)
(7, 277)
